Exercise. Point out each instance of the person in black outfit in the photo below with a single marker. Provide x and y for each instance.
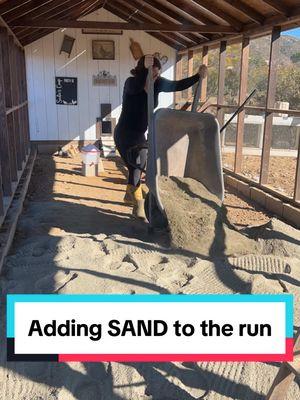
(133, 122)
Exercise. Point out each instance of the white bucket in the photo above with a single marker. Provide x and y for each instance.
(90, 155)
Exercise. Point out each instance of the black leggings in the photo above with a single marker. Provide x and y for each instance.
(137, 156)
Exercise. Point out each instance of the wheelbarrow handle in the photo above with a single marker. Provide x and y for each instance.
(237, 111)
(197, 95)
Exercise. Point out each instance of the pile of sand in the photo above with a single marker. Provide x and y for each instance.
(60, 251)
(52, 260)
(198, 222)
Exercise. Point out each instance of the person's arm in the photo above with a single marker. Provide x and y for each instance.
(136, 84)
(165, 85)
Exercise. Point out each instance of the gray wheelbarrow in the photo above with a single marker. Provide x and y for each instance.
(181, 144)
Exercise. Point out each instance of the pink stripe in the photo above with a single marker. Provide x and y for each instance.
(288, 356)
(171, 357)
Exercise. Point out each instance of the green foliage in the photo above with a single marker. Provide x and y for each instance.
(295, 57)
(288, 78)
(288, 85)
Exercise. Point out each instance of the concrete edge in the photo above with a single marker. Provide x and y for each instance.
(270, 203)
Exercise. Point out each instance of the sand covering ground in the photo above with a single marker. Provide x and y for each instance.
(198, 222)
(86, 242)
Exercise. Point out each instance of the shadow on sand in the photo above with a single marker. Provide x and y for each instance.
(95, 380)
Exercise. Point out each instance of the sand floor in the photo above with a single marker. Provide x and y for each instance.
(76, 236)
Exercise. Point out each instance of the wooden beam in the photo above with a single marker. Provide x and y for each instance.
(178, 76)
(11, 5)
(14, 78)
(212, 7)
(191, 9)
(254, 31)
(1, 196)
(142, 18)
(4, 143)
(271, 90)
(242, 97)
(190, 70)
(19, 100)
(13, 213)
(165, 38)
(277, 5)
(6, 70)
(4, 44)
(172, 14)
(204, 81)
(221, 82)
(27, 8)
(154, 15)
(246, 10)
(72, 9)
(151, 27)
(169, 38)
(297, 177)
(4, 25)
(42, 8)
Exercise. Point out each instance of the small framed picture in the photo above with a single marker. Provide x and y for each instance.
(103, 49)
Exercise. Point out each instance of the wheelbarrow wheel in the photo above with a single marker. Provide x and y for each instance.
(158, 220)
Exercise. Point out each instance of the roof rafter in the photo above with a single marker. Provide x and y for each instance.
(72, 7)
(213, 8)
(39, 33)
(158, 17)
(278, 6)
(191, 9)
(246, 10)
(170, 41)
(253, 30)
(88, 7)
(28, 8)
(11, 5)
(172, 14)
(141, 19)
(147, 26)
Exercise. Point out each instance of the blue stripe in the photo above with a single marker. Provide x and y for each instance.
(10, 316)
(148, 298)
(289, 316)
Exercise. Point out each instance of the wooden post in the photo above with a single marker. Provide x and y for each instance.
(286, 374)
(178, 76)
(274, 56)
(12, 61)
(5, 66)
(221, 83)
(297, 178)
(190, 72)
(4, 143)
(4, 45)
(204, 81)
(25, 98)
(19, 101)
(242, 97)
(1, 196)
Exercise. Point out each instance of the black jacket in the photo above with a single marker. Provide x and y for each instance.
(134, 116)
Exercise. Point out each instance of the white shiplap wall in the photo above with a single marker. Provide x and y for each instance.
(49, 121)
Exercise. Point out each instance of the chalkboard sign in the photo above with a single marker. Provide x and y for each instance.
(66, 91)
